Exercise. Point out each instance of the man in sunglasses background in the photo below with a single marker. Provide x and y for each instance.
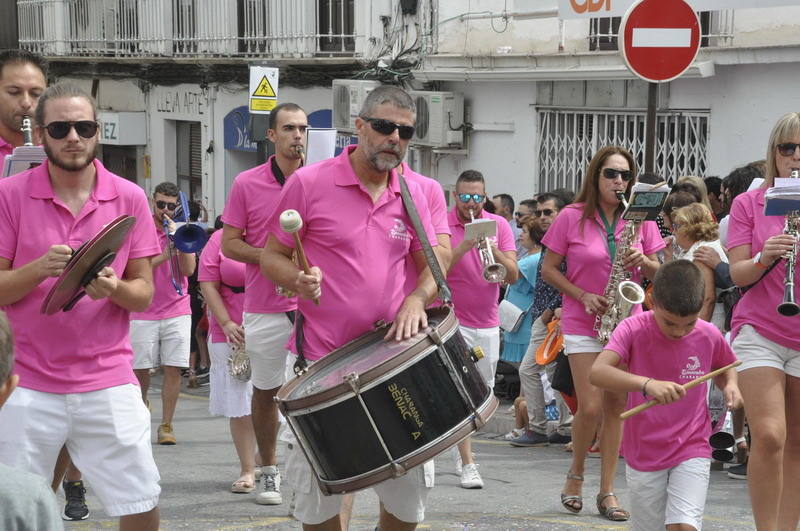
(357, 236)
(77, 386)
(161, 335)
(525, 208)
(22, 81)
(474, 299)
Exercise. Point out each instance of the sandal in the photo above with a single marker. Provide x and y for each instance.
(613, 512)
(571, 502)
(242, 486)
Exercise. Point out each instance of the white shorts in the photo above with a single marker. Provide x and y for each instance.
(757, 351)
(228, 396)
(673, 496)
(266, 335)
(403, 497)
(581, 344)
(489, 340)
(107, 433)
(163, 342)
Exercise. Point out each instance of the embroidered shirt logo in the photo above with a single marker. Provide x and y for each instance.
(399, 231)
(692, 369)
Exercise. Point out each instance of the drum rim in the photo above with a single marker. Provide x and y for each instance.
(368, 378)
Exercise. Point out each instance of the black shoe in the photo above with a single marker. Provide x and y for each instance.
(201, 371)
(203, 380)
(76, 508)
(738, 472)
(530, 438)
(557, 438)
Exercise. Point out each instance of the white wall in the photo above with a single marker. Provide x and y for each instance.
(506, 159)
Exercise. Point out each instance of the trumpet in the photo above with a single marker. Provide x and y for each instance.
(789, 306)
(174, 263)
(27, 131)
(492, 271)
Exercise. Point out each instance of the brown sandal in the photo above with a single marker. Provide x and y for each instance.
(570, 502)
(613, 513)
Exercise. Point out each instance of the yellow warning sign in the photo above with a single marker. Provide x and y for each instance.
(264, 89)
(263, 105)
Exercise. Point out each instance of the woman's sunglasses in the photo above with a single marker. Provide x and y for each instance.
(787, 149)
(611, 173)
(84, 128)
(385, 127)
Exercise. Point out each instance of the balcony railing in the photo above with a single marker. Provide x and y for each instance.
(716, 29)
(191, 28)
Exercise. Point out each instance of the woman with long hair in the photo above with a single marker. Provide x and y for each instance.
(587, 234)
(768, 343)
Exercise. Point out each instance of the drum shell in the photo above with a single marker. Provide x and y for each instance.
(422, 402)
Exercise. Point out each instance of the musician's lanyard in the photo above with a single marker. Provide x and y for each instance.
(610, 230)
(276, 171)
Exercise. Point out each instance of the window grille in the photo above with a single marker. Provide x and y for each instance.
(716, 29)
(568, 138)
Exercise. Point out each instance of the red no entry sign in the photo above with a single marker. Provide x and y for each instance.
(659, 39)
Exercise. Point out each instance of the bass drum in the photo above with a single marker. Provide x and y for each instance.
(373, 409)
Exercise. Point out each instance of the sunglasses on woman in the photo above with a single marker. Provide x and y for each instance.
(787, 149)
(84, 128)
(611, 173)
(385, 127)
(169, 206)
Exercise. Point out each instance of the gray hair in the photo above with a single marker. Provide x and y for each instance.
(6, 348)
(58, 91)
(387, 94)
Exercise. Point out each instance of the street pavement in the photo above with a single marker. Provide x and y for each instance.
(521, 491)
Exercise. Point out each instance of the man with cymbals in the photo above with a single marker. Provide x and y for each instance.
(77, 386)
(356, 234)
(266, 309)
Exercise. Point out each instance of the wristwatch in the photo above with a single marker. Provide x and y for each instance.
(757, 261)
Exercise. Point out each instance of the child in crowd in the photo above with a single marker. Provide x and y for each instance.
(651, 355)
(26, 499)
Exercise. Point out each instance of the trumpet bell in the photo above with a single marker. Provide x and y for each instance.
(494, 273)
(190, 238)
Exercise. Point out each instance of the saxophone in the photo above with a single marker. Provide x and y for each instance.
(788, 305)
(620, 292)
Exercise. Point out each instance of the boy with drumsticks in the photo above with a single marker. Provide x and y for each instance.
(652, 356)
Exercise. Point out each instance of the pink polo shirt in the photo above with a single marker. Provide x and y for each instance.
(474, 299)
(5, 149)
(253, 198)
(87, 348)
(438, 208)
(360, 246)
(588, 261)
(664, 436)
(749, 226)
(216, 267)
(167, 303)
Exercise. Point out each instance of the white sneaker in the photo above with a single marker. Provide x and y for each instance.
(271, 494)
(470, 478)
(456, 459)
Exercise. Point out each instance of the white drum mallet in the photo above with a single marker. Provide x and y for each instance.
(291, 222)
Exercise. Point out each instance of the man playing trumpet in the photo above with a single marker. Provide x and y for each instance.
(474, 276)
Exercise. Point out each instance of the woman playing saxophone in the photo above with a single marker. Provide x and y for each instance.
(587, 234)
(766, 341)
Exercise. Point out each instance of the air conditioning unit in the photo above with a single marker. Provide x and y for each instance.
(348, 96)
(440, 116)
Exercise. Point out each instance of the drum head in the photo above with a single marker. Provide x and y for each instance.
(373, 351)
(108, 240)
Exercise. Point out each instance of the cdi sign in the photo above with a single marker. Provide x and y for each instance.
(617, 8)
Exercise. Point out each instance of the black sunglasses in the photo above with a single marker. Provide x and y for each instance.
(84, 128)
(169, 206)
(385, 127)
(787, 149)
(546, 212)
(611, 173)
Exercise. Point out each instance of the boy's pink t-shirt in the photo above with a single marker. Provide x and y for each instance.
(360, 246)
(216, 267)
(5, 149)
(167, 303)
(666, 435)
(749, 226)
(252, 200)
(475, 300)
(585, 248)
(86, 348)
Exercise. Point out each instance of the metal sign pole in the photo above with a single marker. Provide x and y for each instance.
(650, 128)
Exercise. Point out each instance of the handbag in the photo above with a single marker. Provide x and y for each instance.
(239, 363)
(511, 315)
(562, 376)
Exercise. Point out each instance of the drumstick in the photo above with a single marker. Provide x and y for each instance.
(694, 383)
(291, 222)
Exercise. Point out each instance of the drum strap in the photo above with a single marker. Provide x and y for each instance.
(430, 257)
(301, 364)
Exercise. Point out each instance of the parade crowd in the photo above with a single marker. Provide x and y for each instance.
(74, 409)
